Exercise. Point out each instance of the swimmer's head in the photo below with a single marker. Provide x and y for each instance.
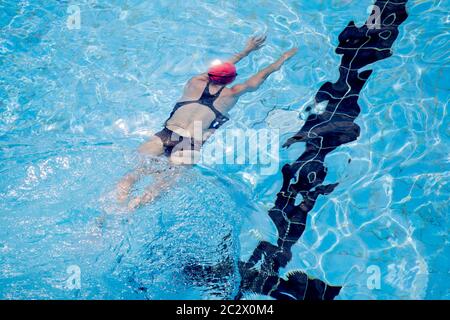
(222, 73)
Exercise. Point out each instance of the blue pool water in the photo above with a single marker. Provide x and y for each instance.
(76, 103)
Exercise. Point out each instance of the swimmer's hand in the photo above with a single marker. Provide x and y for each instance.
(284, 57)
(255, 43)
(289, 54)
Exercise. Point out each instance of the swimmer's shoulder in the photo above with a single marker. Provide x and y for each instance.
(200, 78)
(194, 84)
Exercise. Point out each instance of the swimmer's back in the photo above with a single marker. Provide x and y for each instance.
(189, 115)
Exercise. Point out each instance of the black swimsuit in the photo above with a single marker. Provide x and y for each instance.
(171, 139)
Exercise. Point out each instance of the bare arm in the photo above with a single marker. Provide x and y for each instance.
(253, 44)
(258, 79)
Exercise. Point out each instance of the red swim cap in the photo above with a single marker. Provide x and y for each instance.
(223, 73)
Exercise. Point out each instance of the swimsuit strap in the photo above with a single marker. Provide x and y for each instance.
(206, 99)
(207, 94)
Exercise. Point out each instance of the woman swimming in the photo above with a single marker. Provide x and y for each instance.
(199, 113)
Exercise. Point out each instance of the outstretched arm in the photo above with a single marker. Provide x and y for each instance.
(258, 79)
(253, 44)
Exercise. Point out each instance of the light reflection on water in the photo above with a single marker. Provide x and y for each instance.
(76, 103)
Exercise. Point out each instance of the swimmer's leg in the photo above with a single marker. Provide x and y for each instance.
(154, 148)
(163, 180)
(186, 157)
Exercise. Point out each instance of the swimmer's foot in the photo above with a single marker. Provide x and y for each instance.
(146, 198)
(123, 190)
(134, 204)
